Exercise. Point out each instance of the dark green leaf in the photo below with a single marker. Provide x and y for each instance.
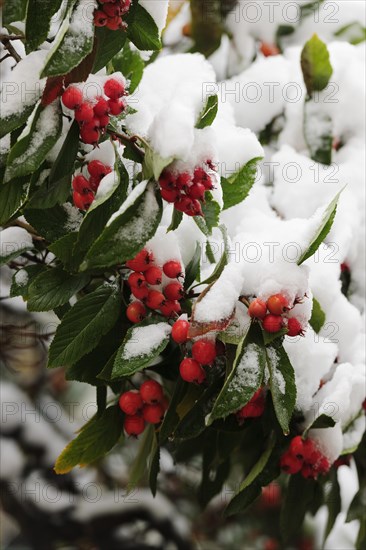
(177, 217)
(23, 278)
(109, 43)
(12, 197)
(142, 344)
(333, 502)
(315, 65)
(143, 31)
(130, 64)
(209, 112)
(322, 421)
(63, 249)
(317, 319)
(53, 288)
(193, 423)
(193, 268)
(97, 437)
(223, 260)
(139, 465)
(282, 385)
(38, 20)
(13, 11)
(29, 151)
(129, 231)
(357, 507)
(15, 120)
(52, 223)
(298, 498)
(83, 326)
(171, 418)
(237, 187)
(154, 468)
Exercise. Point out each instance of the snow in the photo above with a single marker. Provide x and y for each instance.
(15, 238)
(12, 460)
(21, 277)
(158, 9)
(131, 199)
(74, 217)
(246, 372)
(144, 340)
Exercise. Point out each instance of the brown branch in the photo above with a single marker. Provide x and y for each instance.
(5, 40)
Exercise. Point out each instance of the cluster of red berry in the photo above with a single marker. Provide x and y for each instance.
(277, 305)
(93, 115)
(203, 352)
(304, 456)
(185, 190)
(254, 408)
(146, 274)
(109, 14)
(84, 189)
(148, 405)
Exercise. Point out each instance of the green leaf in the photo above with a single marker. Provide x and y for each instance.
(250, 488)
(357, 507)
(209, 112)
(322, 421)
(143, 31)
(282, 385)
(12, 197)
(130, 64)
(193, 268)
(142, 344)
(154, 467)
(297, 500)
(97, 437)
(23, 278)
(139, 464)
(223, 260)
(333, 502)
(15, 120)
(73, 43)
(56, 188)
(177, 217)
(12, 245)
(13, 11)
(154, 164)
(54, 288)
(193, 423)
(244, 379)
(315, 65)
(211, 215)
(354, 33)
(63, 249)
(38, 20)
(52, 223)
(29, 151)
(109, 43)
(317, 319)
(171, 418)
(83, 326)
(131, 227)
(237, 187)
(318, 131)
(322, 230)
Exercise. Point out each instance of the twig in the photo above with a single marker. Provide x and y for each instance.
(5, 40)
(128, 140)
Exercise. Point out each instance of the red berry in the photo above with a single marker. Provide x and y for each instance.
(195, 209)
(290, 464)
(130, 402)
(204, 351)
(112, 10)
(254, 408)
(257, 309)
(83, 201)
(184, 204)
(154, 299)
(72, 97)
(134, 425)
(141, 261)
(268, 49)
(297, 447)
(197, 191)
(153, 275)
(125, 6)
(172, 269)
(167, 180)
(169, 195)
(271, 496)
(89, 134)
(307, 471)
(308, 449)
(140, 292)
(201, 176)
(183, 181)
(114, 88)
(101, 108)
(151, 392)
(153, 414)
(97, 169)
(170, 308)
(136, 280)
(272, 323)
(80, 184)
(104, 121)
(271, 544)
(135, 312)
(293, 327)
(100, 18)
(114, 23)
(84, 113)
(191, 371)
(180, 331)
(323, 466)
(277, 304)
(174, 291)
(116, 106)
(220, 348)
(94, 183)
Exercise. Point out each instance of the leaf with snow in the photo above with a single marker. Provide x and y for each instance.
(141, 345)
(22, 279)
(128, 229)
(236, 188)
(28, 153)
(130, 63)
(95, 439)
(14, 11)
(315, 65)
(54, 288)
(14, 241)
(54, 223)
(322, 230)
(154, 164)
(84, 325)
(317, 318)
(73, 42)
(318, 134)
(243, 381)
(142, 29)
(37, 25)
(223, 260)
(322, 421)
(282, 385)
(209, 112)
(107, 186)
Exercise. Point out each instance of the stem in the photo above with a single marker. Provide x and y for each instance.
(128, 140)
(6, 41)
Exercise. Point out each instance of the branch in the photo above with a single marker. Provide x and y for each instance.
(128, 140)
(6, 41)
